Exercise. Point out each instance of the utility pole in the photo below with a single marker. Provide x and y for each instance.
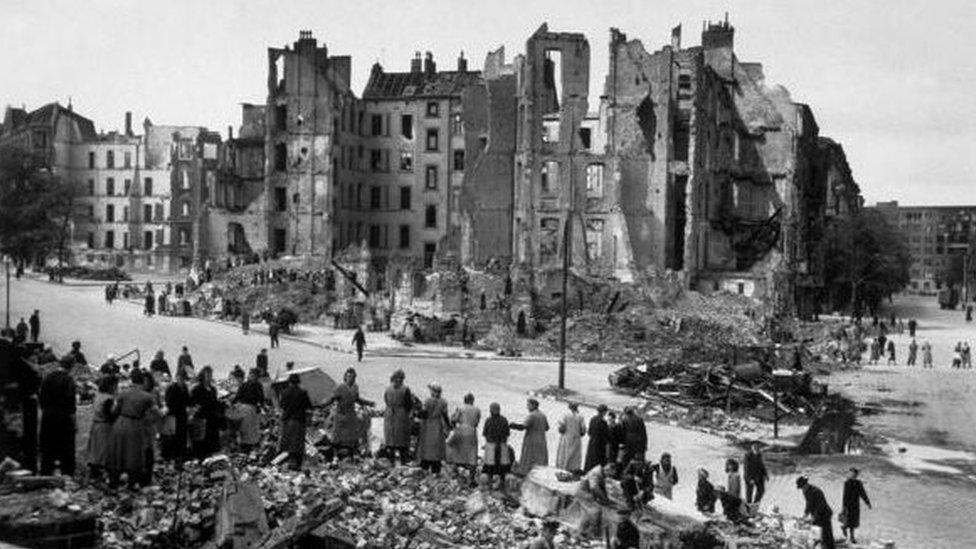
(6, 268)
(567, 243)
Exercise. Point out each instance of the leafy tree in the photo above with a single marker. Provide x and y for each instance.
(36, 207)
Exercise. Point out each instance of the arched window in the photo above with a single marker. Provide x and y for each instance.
(186, 209)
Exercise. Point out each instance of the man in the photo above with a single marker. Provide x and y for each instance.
(185, 363)
(627, 535)
(261, 363)
(596, 446)
(273, 330)
(912, 326)
(76, 354)
(755, 474)
(359, 340)
(817, 511)
(57, 398)
(22, 331)
(295, 405)
(35, 325)
(158, 365)
(853, 494)
(109, 367)
(912, 352)
(705, 493)
(635, 436)
(546, 537)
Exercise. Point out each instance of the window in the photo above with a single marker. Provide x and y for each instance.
(147, 240)
(281, 199)
(433, 109)
(127, 159)
(431, 178)
(91, 187)
(406, 126)
(110, 239)
(406, 161)
(91, 211)
(375, 160)
(125, 215)
(147, 212)
(279, 240)
(110, 186)
(185, 208)
(374, 198)
(404, 198)
(91, 240)
(459, 160)
(280, 157)
(125, 188)
(359, 195)
(184, 237)
(432, 138)
(159, 213)
(147, 186)
(125, 241)
(110, 159)
(185, 178)
(376, 124)
(404, 236)
(91, 160)
(585, 135)
(430, 249)
(549, 178)
(594, 180)
(430, 216)
(594, 239)
(456, 127)
(374, 236)
(110, 213)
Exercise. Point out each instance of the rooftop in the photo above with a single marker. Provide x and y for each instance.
(405, 85)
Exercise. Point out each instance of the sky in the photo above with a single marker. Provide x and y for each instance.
(891, 80)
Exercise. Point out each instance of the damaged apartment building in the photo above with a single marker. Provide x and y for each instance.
(691, 164)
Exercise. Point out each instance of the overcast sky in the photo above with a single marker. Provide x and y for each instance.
(893, 81)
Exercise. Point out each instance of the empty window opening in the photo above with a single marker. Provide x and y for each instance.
(549, 178)
(406, 161)
(281, 199)
(281, 117)
(404, 236)
(406, 126)
(459, 160)
(430, 249)
(586, 135)
(404, 198)
(374, 198)
(432, 139)
(280, 157)
(552, 80)
(594, 180)
(376, 124)
(147, 212)
(430, 216)
(431, 178)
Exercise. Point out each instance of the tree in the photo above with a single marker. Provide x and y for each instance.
(36, 207)
(867, 260)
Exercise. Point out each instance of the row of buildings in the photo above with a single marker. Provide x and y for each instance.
(688, 162)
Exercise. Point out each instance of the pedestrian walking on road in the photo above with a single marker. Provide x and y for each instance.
(261, 362)
(891, 353)
(599, 439)
(57, 399)
(755, 473)
(498, 454)
(926, 354)
(150, 307)
(397, 424)
(434, 426)
(295, 405)
(967, 355)
(462, 445)
(912, 326)
(875, 351)
(912, 352)
(817, 511)
(35, 325)
(245, 322)
(359, 340)
(571, 430)
(957, 356)
(850, 515)
(273, 330)
(969, 313)
(534, 448)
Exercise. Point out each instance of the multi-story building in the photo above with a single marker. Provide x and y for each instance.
(936, 236)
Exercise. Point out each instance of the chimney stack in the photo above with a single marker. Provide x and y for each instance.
(429, 66)
(415, 63)
(128, 123)
(676, 38)
(230, 132)
(462, 63)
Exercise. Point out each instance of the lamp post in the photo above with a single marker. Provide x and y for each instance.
(567, 243)
(6, 269)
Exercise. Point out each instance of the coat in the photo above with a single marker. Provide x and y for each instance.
(635, 435)
(431, 445)
(346, 424)
(816, 505)
(596, 446)
(100, 435)
(397, 424)
(57, 400)
(295, 405)
(462, 447)
(568, 454)
(534, 448)
(135, 409)
(853, 494)
(754, 468)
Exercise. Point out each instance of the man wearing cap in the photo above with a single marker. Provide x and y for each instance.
(57, 399)
(851, 511)
(546, 539)
(817, 511)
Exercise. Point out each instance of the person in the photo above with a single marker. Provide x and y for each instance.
(615, 437)
(134, 408)
(359, 340)
(967, 355)
(705, 493)
(591, 494)
(546, 538)
(76, 354)
(891, 353)
(755, 473)
(150, 425)
(150, 304)
(462, 446)
(185, 361)
(597, 445)
(912, 326)
(534, 449)
(926, 354)
(177, 399)
(635, 436)
(957, 356)
(245, 322)
(732, 505)
(912, 352)
(203, 397)
(969, 312)
(295, 405)
(571, 429)
(261, 362)
(35, 326)
(249, 400)
(817, 511)
(637, 484)
(498, 455)
(161, 300)
(273, 330)
(875, 350)
(347, 428)
(397, 424)
(110, 367)
(666, 476)
(57, 438)
(22, 331)
(158, 365)
(100, 434)
(851, 510)
(434, 426)
(627, 536)
(733, 480)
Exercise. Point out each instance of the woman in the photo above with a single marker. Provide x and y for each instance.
(177, 400)
(396, 419)
(204, 398)
(431, 446)
(498, 455)
(734, 485)
(100, 436)
(534, 449)
(667, 476)
(462, 449)
(346, 424)
(571, 430)
(249, 399)
(134, 407)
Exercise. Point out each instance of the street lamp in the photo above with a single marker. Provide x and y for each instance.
(6, 269)
(567, 242)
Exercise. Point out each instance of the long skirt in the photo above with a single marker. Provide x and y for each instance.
(498, 458)
(129, 444)
(292, 437)
(462, 445)
(534, 452)
(250, 424)
(100, 444)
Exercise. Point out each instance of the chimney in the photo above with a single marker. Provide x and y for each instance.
(128, 123)
(230, 132)
(415, 63)
(429, 66)
(462, 63)
(676, 38)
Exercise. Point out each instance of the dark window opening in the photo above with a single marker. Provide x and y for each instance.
(433, 109)
(110, 239)
(91, 160)
(91, 187)
(430, 249)
(110, 186)
(585, 135)
(682, 137)
(279, 240)
(376, 124)
(406, 126)
(147, 240)
(431, 178)
(430, 217)
(374, 236)
(374, 198)
(110, 159)
(281, 117)
(280, 157)
(147, 212)
(127, 159)
(110, 213)
(126, 186)
(432, 139)
(459, 160)
(404, 198)
(147, 186)
(404, 236)
(281, 199)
